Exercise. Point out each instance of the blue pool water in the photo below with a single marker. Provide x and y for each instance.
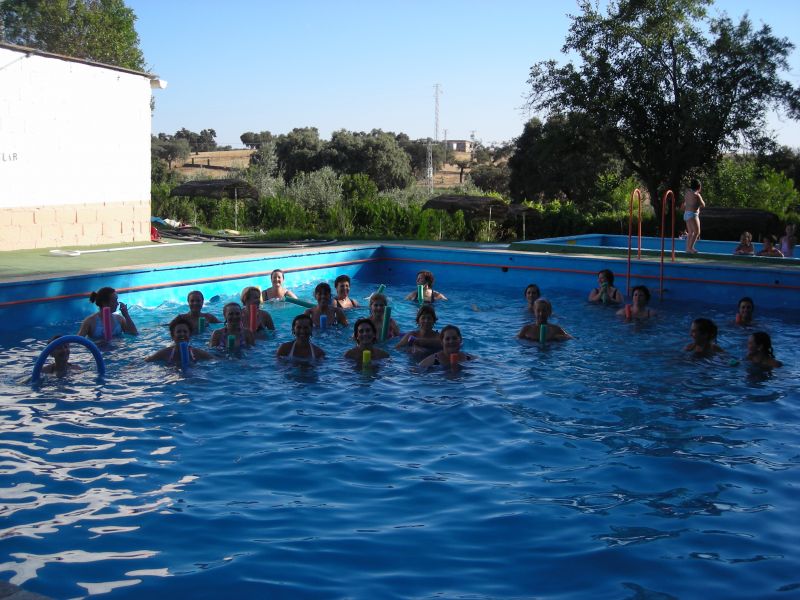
(608, 466)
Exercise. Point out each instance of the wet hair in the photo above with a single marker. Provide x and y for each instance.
(546, 302)
(55, 337)
(761, 338)
(643, 289)
(179, 320)
(695, 184)
(102, 297)
(426, 309)
(302, 317)
(609, 275)
(340, 279)
(276, 271)
(378, 297)
(447, 328)
(533, 286)
(227, 306)
(190, 294)
(246, 292)
(746, 299)
(359, 322)
(427, 277)
(322, 287)
(707, 327)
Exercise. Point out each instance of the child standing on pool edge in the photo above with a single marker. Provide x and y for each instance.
(691, 205)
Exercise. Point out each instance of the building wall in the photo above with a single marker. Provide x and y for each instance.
(74, 153)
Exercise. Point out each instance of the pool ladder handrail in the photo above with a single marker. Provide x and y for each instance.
(667, 194)
(637, 192)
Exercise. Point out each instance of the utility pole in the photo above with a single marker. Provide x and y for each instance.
(436, 90)
(445, 146)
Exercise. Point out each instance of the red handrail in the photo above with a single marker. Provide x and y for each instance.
(667, 194)
(638, 193)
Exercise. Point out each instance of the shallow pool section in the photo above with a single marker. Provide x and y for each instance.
(603, 244)
(609, 466)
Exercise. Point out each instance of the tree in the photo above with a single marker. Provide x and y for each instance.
(668, 87)
(417, 151)
(170, 149)
(298, 151)
(98, 30)
(198, 142)
(491, 178)
(254, 140)
(559, 159)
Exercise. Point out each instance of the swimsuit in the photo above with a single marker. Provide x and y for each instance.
(690, 214)
(98, 331)
(291, 356)
(191, 355)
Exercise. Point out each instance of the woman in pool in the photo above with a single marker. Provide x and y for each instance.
(605, 292)
(242, 337)
(425, 339)
(638, 308)
(759, 351)
(343, 299)
(365, 335)
(377, 308)
(450, 355)
(92, 325)
(251, 301)
(704, 339)
(769, 248)
(277, 291)
(333, 314)
(425, 279)
(60, 365)
(180, 330)
(532, 294)
(196, 300)
(744, 311)
(542, 309)
(745, 246)
(301, 349)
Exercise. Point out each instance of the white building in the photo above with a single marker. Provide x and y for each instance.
(74, 151)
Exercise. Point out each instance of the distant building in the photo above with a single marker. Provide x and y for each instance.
(460, 145)
(74, 151)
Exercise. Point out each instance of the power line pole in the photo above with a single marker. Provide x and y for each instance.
(445, 146)
(436, 90)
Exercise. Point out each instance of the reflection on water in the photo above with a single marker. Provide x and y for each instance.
(611, 456)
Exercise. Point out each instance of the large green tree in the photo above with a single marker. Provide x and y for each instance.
(669, 87)
(99, 30)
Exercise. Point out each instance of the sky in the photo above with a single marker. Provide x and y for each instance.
(256, 65)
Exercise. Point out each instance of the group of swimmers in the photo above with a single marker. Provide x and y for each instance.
(787, 244)
(244, 322)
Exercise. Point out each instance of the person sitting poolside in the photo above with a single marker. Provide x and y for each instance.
(745, 246)
(196, 301)
(744, 311)
(60, 365)
(277, 291)
(365, 335)
(333, 314)
(542, 309)
(377, 308)
(180, 330)
(704, 339)
(532, 294)
(92, 325)
(638, 308)
(251, 301)
(301, 349)
(343, 299)
(450, 356)
(605, 292)
(241, 337)
(759, 351)
(425, 279)
(425, 339)
(788, 241)
(769, 248)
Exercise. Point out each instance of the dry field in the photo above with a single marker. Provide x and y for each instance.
(239, 159)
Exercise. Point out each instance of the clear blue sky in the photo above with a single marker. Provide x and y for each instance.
(253, 65)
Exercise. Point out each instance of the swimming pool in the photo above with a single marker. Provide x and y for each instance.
(607, 466)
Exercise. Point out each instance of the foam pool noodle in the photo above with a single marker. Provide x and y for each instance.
(387, 319)
(366, 358)
(738, 319)
(420, 294)
(201, 324)
(299, 302)
(184, 347)
(253, 317)
(454, 360)
(231, 342)
(107, 328)
(628, 312)
(543, 333)
(323, 321)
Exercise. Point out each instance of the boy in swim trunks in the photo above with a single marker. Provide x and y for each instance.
(692, 203)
